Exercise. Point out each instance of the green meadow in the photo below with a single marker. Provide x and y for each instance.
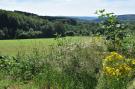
(12, 47)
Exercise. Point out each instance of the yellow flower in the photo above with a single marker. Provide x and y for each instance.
(114, 53)
(120, 57)
(117, 56)
(108, 58)
(133, 62)
(109, 71)
(114, 56)
(118, 72)
(115, 65)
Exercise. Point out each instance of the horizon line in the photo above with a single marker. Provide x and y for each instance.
(61, 15)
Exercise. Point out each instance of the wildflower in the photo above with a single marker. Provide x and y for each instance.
(118, 73)
(124, 68)
(133, 62)
(117, 56)
(109, 71)
(114, 56)
(113, 65)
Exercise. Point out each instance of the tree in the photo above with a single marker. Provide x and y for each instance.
(111, 27)
(2, 34)
(59, 28)
(48, 30)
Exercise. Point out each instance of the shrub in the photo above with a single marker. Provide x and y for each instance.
(116, 73)
(113, 29)
(21, 67)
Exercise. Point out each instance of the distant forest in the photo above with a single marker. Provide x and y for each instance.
(23, 25)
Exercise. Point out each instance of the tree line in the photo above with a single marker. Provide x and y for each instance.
(23, 25)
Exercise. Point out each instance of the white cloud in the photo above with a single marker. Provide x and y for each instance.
(69, 7)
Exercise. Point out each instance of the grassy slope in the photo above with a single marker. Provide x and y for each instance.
(12, 47)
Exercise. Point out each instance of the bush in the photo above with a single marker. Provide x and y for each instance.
(113, 29)
(116, 73)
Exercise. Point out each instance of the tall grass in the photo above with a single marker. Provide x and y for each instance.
(67, 65)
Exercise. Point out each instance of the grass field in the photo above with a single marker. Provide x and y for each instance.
(12, 47)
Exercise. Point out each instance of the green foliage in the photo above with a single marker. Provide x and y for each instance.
(2, 34)
(18, 68)
(22, 25)
(113, 30)
(128, 46)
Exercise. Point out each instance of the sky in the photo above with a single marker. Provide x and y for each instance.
(69, 7)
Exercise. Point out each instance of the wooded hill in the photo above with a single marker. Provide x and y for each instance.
(17, 24)
(23, 25)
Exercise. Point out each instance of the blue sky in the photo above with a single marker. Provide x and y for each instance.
(69, 7)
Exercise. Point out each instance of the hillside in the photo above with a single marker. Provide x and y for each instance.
(84, 18)
(18, 24)
(23, 25)
(128, 17)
